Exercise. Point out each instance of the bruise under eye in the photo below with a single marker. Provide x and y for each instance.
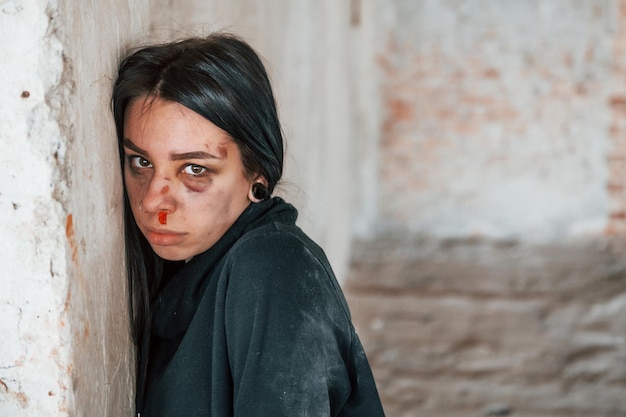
(197, 183)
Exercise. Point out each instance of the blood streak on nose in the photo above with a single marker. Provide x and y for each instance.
(163, 217)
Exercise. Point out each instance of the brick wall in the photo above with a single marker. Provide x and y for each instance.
(458, 328)
(497, 118)
(616, 158)
(488, 276)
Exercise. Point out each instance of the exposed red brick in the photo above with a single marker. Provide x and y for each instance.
(492, 73)
(400, 110)
(615, 188)
(620, 215)
(618, 103)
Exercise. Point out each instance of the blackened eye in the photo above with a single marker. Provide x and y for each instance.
(194, 169)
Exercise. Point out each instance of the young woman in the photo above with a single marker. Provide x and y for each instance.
(236, 312)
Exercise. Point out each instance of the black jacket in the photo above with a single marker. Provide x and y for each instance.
(255, 326)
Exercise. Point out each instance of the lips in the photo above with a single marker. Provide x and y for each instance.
(162, 237)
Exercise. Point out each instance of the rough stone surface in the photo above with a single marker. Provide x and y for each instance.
(65, 347)
(489, 328)
(35, 353)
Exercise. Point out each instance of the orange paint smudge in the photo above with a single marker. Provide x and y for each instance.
(69, 226)
(69, 233)
(22, 399)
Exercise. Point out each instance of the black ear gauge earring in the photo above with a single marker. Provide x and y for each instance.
(259, 191)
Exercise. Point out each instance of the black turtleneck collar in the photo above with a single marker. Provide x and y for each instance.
(177, 301)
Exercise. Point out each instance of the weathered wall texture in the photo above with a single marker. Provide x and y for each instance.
(65, 341)
(473, 150)
(489, 277)
(102, 361)
(458, 328)
(35, 349)
(495, 117)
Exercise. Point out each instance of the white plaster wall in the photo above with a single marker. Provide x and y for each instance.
(306, 48)
(506, 129)
(35, 352)
(65, 346)
(366, 114)
(102, 360)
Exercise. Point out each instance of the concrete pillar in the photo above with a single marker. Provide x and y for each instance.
(65, 346)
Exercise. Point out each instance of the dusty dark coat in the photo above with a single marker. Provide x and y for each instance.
(255, 326)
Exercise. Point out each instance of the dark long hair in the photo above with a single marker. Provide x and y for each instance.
(221, 78)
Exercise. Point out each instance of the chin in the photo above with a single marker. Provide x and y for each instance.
(171, 254)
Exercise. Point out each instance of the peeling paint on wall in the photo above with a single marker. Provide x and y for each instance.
(35, 350)
(66, 343)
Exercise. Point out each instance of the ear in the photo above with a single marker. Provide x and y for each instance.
(258, 190)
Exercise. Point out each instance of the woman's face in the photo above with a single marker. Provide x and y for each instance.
(184, 177)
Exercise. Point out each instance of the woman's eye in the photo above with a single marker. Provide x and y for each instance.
(139, 162)
(194, 170)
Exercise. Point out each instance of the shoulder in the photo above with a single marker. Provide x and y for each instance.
(277, 245)
(281, 261)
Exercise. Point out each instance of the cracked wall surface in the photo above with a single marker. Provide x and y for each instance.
(35, 350)
(65, 347)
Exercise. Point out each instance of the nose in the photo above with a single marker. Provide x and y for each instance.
(158, 197)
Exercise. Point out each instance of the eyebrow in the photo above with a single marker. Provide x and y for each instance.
(191, 155)
(130, 145)
(173, 156)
